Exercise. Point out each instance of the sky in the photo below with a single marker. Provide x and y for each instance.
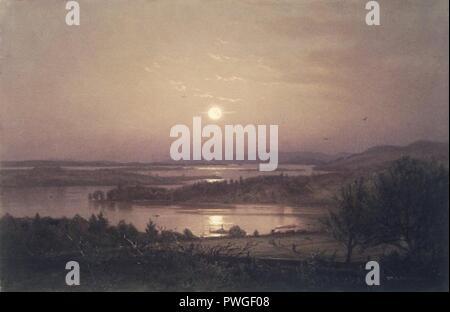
(112, 87)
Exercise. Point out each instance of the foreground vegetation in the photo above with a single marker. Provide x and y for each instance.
(405, 206)
(35, 250)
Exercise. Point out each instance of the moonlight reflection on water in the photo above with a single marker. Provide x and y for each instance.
(201, 220)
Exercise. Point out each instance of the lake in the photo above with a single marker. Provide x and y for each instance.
(201, 220)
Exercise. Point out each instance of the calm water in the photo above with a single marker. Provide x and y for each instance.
(228, 171)
(69, 201)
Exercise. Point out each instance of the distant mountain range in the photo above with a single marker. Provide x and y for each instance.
(61, 163)
(309, 158)
(379, 156)
(373, 157)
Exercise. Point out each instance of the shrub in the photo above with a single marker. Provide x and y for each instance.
(236, 231)
(169, 236)
(189, 235)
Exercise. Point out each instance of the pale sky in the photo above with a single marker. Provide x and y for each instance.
(113, 87)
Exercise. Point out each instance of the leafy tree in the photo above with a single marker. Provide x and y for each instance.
(405, 206)
(349, 224)
(411, 208)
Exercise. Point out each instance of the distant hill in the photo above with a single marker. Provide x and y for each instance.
(57, 163)
(308, 158)
(301, 158)
(57, 176)
(373, 157)
(73, 163)
(379, 156)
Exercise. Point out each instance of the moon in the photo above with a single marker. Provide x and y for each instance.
(215, 113)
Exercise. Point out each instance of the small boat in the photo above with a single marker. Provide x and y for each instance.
(292, 228)
(219, 231)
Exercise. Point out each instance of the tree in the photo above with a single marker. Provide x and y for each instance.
(349, 224)
(411, 208)
(236, 231)
(126, 230)
(98, 195)
(151, 230)
(98, 224)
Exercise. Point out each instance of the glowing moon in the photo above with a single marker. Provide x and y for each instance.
(215, 113)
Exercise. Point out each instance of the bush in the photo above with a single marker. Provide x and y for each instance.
(236, 231)
(169, 236)
(189, 235)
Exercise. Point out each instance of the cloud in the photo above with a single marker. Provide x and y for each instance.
(178, 85)
(229, 79)
(222, 42)
(311, 66)
(221, 58)
(220, 98)
(204, 96)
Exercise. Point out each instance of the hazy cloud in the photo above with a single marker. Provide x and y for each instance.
(112, 87)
